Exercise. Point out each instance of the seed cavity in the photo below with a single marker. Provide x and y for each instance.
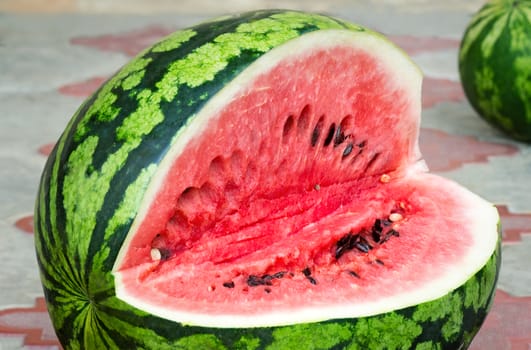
(159, 248)
(367, 238)
(304, 120)
(316, 133)
(288, 126)
(372, 161)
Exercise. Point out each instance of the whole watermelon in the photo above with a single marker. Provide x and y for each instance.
(255, 182)
(495, 65)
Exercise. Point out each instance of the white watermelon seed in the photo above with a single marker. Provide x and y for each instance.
(156, 255)
(385, 178)
(394, 217)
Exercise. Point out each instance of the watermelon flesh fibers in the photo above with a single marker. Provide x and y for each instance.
(298, 193)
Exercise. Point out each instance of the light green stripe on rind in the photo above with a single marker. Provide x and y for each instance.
(311, 336)
(174, 41)
(478, 24)
(104, 108)
(496, 29)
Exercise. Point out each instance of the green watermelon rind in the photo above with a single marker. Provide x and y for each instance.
(78, 218)
(495, 66)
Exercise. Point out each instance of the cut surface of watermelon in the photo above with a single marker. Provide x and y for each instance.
(298, 194)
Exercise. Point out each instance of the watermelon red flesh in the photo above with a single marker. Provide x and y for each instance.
(269, 186)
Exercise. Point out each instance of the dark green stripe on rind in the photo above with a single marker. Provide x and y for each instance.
(495, 65)
(95, 178)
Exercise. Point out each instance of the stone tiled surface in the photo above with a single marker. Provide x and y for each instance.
(50, 63)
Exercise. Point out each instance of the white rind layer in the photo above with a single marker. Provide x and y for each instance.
(483, 216)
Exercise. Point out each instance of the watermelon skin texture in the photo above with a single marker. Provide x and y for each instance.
(96, 177)
(495, 66)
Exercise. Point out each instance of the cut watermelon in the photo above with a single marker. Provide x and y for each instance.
(257, 190)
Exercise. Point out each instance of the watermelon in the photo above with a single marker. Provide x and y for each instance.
(495, 65)
(255, 182)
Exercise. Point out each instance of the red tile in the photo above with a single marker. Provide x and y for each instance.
(129, 43)
(25, 224)
(46, 149)
(514, 225)
(435, 91)
(83, 88)
(443, 151)
(33, 323)
(508, 326)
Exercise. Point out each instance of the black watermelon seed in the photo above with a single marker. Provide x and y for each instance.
(362, 247)
(253, 281)
(379, 262)
(317, 132)
(228, 284)
(267, 279)
(386, 222)
(377, 230)
(312, 280)
(372, 160)
(346, 243)
(363, 240)
(348, 150)
(330, 134)
(353, 274)
(339, 137)
(308, 274)
(377, 226)
(165, 254)
(315, 137)
(267, 290)
(362, 144)
(391, 232)
(280, 274)
(288, 126)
